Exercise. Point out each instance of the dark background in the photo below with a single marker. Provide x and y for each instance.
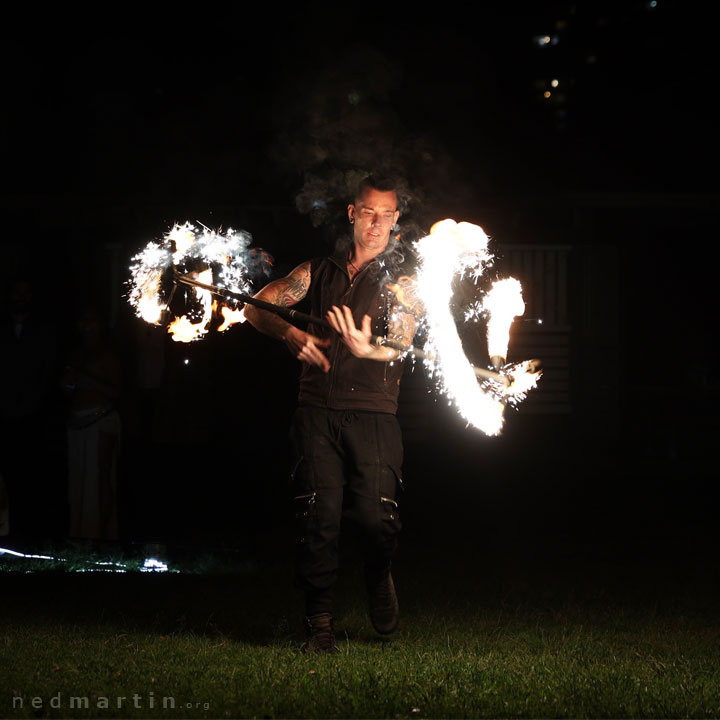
(114, 128)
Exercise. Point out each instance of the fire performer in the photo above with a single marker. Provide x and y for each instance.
(346, 440)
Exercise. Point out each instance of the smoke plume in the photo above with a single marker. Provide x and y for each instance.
(337, 123)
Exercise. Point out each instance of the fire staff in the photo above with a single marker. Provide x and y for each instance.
(346, 440)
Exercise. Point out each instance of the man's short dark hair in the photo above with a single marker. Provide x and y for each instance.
(382, 183)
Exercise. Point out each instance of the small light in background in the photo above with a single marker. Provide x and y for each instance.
(547, 94)
(545, 40)
(186, 361)
(554, 82)
(153, 565)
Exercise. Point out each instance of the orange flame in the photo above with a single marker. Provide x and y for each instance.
(230, 317)
(398, 292)
(182, 329)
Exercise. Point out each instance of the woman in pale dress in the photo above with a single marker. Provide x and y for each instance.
(92, 380)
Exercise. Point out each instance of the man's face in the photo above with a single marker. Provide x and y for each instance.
(374, 216)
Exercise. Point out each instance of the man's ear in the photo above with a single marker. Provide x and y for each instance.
(351, 213)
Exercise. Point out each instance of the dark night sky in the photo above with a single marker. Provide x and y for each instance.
(190, 109)
(114, 130)
(114, 127)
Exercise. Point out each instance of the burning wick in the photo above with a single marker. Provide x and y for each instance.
(453, 249)
(226, 261)
(450, 249)
(503, 303)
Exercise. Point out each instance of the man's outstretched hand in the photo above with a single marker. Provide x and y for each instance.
(307, 347)
(357, 339)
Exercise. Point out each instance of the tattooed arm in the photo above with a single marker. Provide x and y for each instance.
(286, 292)
(405, 314)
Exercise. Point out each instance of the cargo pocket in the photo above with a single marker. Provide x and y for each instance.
(304, 512)
(389, 509)
(390, 483)
(295, 475)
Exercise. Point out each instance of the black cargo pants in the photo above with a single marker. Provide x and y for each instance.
(346, 466)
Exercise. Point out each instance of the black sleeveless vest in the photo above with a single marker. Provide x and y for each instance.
(351, 383)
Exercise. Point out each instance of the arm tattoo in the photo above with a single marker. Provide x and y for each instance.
(402, 325)
(290, 289)
(295, 290)
(405, 311)
(284, 292)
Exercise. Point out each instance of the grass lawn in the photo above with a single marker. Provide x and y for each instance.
(541, 638)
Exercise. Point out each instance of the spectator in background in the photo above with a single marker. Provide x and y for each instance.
(28, 355)
(92, 381)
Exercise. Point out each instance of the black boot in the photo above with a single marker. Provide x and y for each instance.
(320, 634)
(382, 600)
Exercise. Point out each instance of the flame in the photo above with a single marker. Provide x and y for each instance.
(183, 329)
(230, 317)
(502, 303)
(228, 258)
(453, 248)
(450, 249)
(519, 379)
(184, 238)
(524, 378)
(147, 273)
(149, 309)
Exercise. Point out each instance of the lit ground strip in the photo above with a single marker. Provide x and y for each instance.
(7, 551)
(149, 564)
(153, 565)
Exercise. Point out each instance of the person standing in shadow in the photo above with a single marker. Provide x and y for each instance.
(29, 464)
(92, 381)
